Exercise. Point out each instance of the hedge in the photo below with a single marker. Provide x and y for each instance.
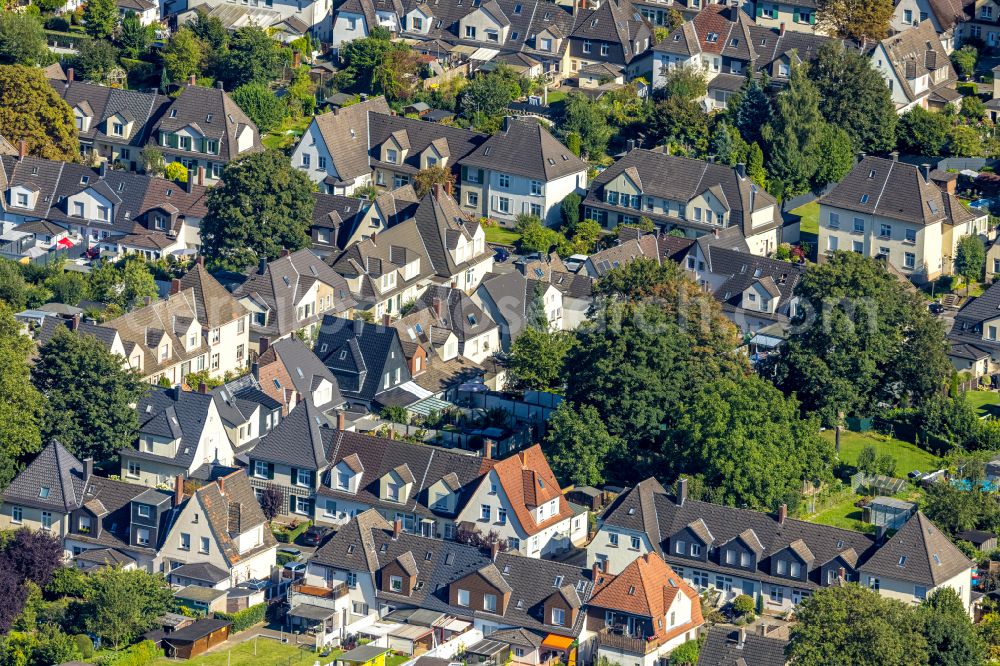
(244, 619)
(286, 535)
(285, 558)
(140, 654)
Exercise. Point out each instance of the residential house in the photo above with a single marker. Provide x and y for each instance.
(247, 411)
(222, 524)
(521, 169)
(477, 337)
(148, 12)
(779, 560)
(693, 196)
(291, 295)
(520, 500)
(114, 521)
(367, 361)
(290, 373)
(354, 19)
(643, 612)
(975, 335)
(982, 20)
(733, 647)
(334, 149)
(885, 208)
(917, 69)
(330, 475)
(629, 248)
(113, 124)
(612, 34)
(387, 210)
(334, 218)
(286, 19)
(797, 15)
(514, 301)
(204, 129)
(576, 289)
(180, 433)
(948, 17)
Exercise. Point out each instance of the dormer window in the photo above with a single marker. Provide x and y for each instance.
(78, 209)
(391, 155)
(143, 510)
(118, 129)
(21, 200)
(343, 480)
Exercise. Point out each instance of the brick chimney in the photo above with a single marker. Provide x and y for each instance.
(175, 286)
(595, 571)
(201, 176)
(488, 449)
(494, 550)
(781, 29)
(436, 304)
(70, 75)
(284, 252)
(397, 527)
(192, 80)
(264, 343)
(437, 191)
(341, 421)
(682, 491)
(74, 322)
(782, 514)
(386, 319)
(22, 149)
(88, 469)
(202, 388)
(178, 489)
(296, 60)
(743, 632)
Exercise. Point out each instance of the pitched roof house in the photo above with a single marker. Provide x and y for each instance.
(513, 300)
(289, 372)
(917, 69)
(725, 647)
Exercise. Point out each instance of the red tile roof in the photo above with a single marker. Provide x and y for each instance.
(528, 482)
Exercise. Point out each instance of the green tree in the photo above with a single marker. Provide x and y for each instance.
(854, 97)
(176, 171)
(67, 287)
(262, 206)
(755, 165)
(866, 460)
(579, 446)
(752, 110)
(970, 260)
(54, 646)
(860, 339)
(586, 236)
(922, 132)
(951, 638)
(728, 146)
(425, 179)
(126, 285)
(265, 109)
(836, 155)
(852, 625)
(955, 509)
(363, 56)
(183, 56)
(121, 605)
(855, 19)
(393, 75)
(973, 108)
(32, 111)
(152, 161)
(100, 18)
(570, 209)
(488, 95)
(210, 30)
(574, 143)
(794, 135)
(688, 83)
(537, 356)
(22, 39)
(535, 236)
(964, 141)
(95, 59)
(686, 654)
(681, 125)
(89, 395)
(134, 38)
(21, 406)
(586, 118)
(14, 289)
(253, 57)
(964, 60)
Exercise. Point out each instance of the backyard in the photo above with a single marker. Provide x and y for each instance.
(908, 456)
(501, 236)
(987, 403)
(287, 133)
(268, 652)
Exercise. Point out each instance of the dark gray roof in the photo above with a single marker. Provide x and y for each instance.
(214, 113)
(459, 313)
(722, 648)
(305, 369)
(135, 106)
(51, 324)
(203, 571)
(458, 142)
(53, 480)
(303, 439)
(113, 499)
(527, 149)
(355, 353)
(887, 188)
(744, 269)
(616, 23)
(918, 553)
(173, 414)
(338, 213)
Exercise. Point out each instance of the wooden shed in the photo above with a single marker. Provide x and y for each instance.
(196, 638)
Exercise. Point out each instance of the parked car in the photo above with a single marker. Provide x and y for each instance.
(501, 255)
(315, 535)
(293, 552)
(296, 568)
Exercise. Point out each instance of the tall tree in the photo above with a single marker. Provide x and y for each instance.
(134, 38)
(487, 95)
(579, 446)
(210, 30)
(951, 638)
(922, 132)
(755, 165)
(90, 395)
(253, 57)
(681, 125)
(31, 110)
(855, 19)
(854, 97)
(100, 17)
(265, 109)
(262, 206)
(586, 118)
(752, 110)
(536, 360)
(970, 260)
(20, 404)
(95, 59)
(835, 155)
(794, 134)
(126, 285)
(122, 604)
(852, 625)
(183, 56)
(854, 339)
(688, 83)
(22, 39)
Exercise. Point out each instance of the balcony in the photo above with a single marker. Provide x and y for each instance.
(617, 639)
(336, 591)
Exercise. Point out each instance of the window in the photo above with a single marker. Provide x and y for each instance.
(679, 548)
(604, 49)
(558, 617)
(745, 559)
(873, 583)
(782, 567)
(502, 516)
(472, 199)
(695, 550)
(359, 607)
(77, 209)
(303, 478)
(142, 536)
(613, 539)
(418, 23)
(322, 163)
(470, 32)
(513, 543)
(545, 44)
(462, 598)
(587, 46)
(536, 210)
(503, 180)
(859, 225)
(16, 514)
(777, 594)
(794, 570)
(858, 246)
(352, 580)
(992, 333)
(22, 199)
(485, 512)
(490, 603)
(306, 160)
(302, 505)
(831, 243)
(133, 469)
(46, 520)
(910, 235)
(142, 510)
(215, 361)
(492, 35)
(396, 583)
(185, 541)
(909, 260)
(330, 509)
(730, 556)
(884, 230)
(536, 188)
(920, 592)
(390, 155)
(117, 129)
(392, 492)
(343, 480)
(834, 221)
(260, 469)
(908, 16)
(635, 543)
(503, 205)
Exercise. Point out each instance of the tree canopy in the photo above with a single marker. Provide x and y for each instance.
(100, 18)
(20, 404)
(22, 39)
(855, 19)
(265, 109)
(121, 604)
(183, 56)
(578, 445)
(253, 57)
(31, 110)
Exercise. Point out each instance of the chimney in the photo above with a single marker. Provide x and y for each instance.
(263, 344)
(741, 170)
(192, 80)
(296, 60)
(149, 299)
(386, 319)
(782, 514)
(218, 84)
(436, 304)
(449, 187)
(222, 485)
(880, 535)
(437, 191)
(22, 149)
(682, 491)
(715, 232)
(178, 489)
(284, 252)
(70, 75)
(102, 170)
(494, 550)
(630, 145)
(894, 155)
(743, 632)
(200, 260)
(488, 449)
(201, 176)
(506, 123)
(359, 326)
(175, 392)
(175, 286)
(595, 571)
(262, 266)
(74, 322)
(926, 169)
(397, 527)
(88, 469)
(781, 29)
(341, 421)
(202, 388)
(861, 156)
(255, 370)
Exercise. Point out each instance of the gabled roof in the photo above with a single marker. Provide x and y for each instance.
(614, 22)
(355, 353)
(887, 188)
(214, 305)
(452, 142)
(102, 103)
(441, 222)
(527, 149)
(215, 115)
(528, 482)
(110, 501)
(173, 414)
(919, 553)
(917, 52)
(53, 480)
(723, 647)
(459, 313)
(305, 369)
(303, 439)
(346, 135)
(231, 509)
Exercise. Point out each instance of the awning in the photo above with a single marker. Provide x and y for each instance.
(557, 642)
(378, 629)
(64, 242)
(428, 405)
(310, 612)
(411, 632)
(487, 648)
(456, 626)
(425, 618)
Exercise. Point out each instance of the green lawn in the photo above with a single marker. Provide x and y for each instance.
(287, 133)
(269, 653)
(908, 456)
(556, 96)
(843, 514)
(497, 234)
(808, 218)
(986, 402)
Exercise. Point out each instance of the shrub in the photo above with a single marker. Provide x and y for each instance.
(743, 604)
(285, 558)
(57, 23)
(176, 171)
(140, 654)
(292, 532)
(84, 645)
(244, 619)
